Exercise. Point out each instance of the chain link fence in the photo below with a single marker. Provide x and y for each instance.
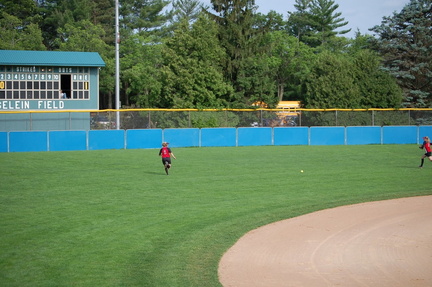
(151, 118)
(163, 119)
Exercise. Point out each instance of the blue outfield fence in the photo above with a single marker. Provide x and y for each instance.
(32, 141)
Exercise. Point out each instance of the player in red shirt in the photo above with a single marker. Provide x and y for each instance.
(166, 154)
(427, 147)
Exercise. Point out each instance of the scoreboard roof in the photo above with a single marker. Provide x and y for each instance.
(50, 58)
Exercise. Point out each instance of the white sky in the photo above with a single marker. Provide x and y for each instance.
(361, 14)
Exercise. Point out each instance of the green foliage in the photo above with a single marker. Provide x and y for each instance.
(257, 79)
(355, 118)
(166, 120)
(298, 21)
(392, 119)
(186, 119)
(188, 10)
(291, 62)
(128, 224)
(235, 56)
(272, 21)
(239, 37)
(192, 74)
(24, 10)
(59, 13)
(378, 89)
(405, 41)
(144, 16)
(331, 84)
(141, 79)
(213, 119)
(82, 36)
(351, 81)
(316, 21)
(16, 34)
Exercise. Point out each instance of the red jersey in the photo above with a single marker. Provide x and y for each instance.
(165, 152)
(426, 146)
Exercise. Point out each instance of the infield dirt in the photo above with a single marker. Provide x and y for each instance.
(383, 243)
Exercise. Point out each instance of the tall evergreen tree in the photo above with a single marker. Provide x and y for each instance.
(316, 21)
(298, 21)
(144, 16)
(405, 41)
(103, 14)
(57, 13)
(25, 10)
(325, 20)
(240, 37)
(235, 21)
(188, 10)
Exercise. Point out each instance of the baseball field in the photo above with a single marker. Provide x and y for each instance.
(114, 218)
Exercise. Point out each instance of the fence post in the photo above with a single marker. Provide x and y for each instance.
(300, 119)
(189, 116)
(70, 120)
(336, 116)
(31, 122)
(261, 118)
(373, 118)
(226, 118)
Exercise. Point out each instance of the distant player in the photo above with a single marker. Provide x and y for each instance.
(166, 154)
(426, 146)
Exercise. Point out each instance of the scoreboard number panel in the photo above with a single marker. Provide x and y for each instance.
(37, 83)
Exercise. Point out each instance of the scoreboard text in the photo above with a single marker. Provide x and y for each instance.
(20, 84)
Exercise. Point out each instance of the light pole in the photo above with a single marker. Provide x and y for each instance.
(117, 73)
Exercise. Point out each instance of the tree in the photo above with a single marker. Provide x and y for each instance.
(316, 21)
(192, 73)
(257, 79)
(331, 84)
(298, 21)
(25, 10)
(16, 35)
(57, 13)
(144, 16)
(19, 25)
(271, 21)
(140, 71)
(83, 36)
(235, 20)
(188, 10)
(378, 88)
(291, 63)
(103, 14)
(405, 42)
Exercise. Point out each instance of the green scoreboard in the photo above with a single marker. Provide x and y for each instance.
(33, 83)
(46, 81)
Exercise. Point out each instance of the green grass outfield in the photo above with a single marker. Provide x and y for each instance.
(113, 218)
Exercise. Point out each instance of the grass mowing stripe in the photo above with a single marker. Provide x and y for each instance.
(113, 218)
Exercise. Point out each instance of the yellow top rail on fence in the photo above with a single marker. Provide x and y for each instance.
(211, 110)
